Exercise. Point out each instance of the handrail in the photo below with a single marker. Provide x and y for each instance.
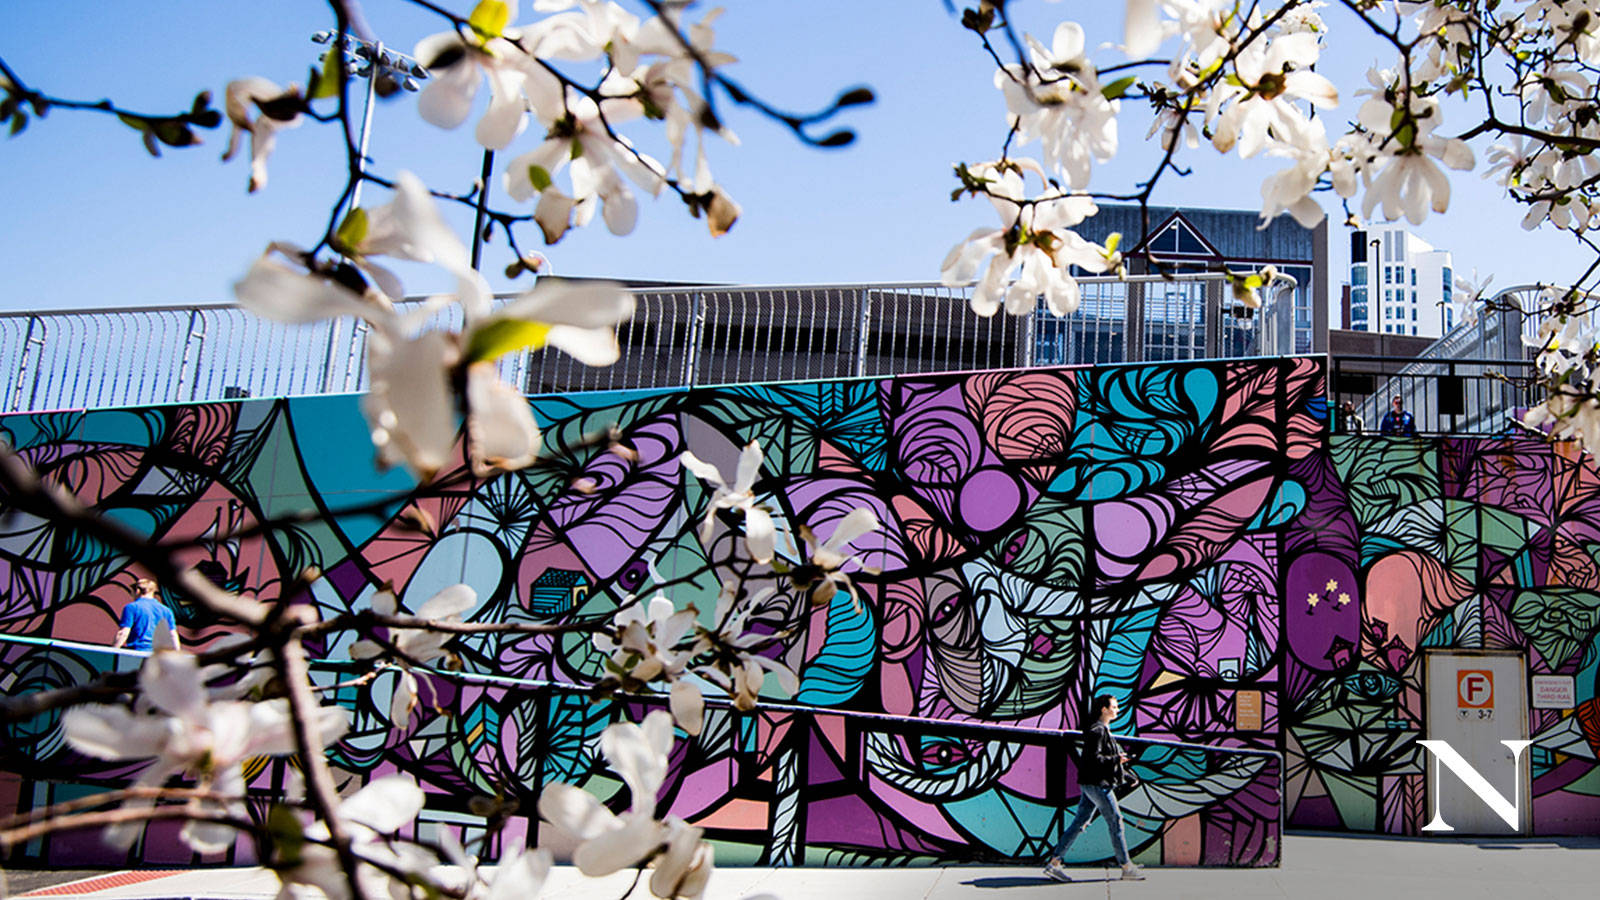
(945, 725)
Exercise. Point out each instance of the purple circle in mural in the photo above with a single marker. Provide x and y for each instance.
(1322, 612)
(989, 499)
(1124, 528)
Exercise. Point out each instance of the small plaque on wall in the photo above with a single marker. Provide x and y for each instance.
(1247, 710)
(1554, 692)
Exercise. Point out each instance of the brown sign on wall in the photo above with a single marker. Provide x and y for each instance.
(1247, 710)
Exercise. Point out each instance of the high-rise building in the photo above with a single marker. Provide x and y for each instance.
(1399, 284)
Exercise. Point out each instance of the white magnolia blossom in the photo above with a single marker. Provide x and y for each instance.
(737, 665)
(186, 732)
(519, 875)
(580, 141)
(367, 817)
(459, 61)
(826, 573)
(646, 644)
(683, 862)
(1395, 152)
(1057, 99)
(737, 494)
(275, 108)
(415, 646)
(1273, 76)
(1032, 253)
(412, 403)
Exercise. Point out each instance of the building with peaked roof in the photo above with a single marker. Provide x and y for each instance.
(1217, 240)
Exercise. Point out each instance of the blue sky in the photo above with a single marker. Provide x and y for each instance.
(93, 221)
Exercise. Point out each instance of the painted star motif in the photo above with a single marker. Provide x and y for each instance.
(1344, 599)
(1333, 585)
(1313, 599)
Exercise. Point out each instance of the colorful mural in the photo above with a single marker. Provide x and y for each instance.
(1150, 531)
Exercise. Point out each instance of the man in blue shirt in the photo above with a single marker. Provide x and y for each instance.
(1397, 420)
(137, 628)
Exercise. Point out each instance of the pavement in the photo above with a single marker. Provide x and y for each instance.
(1315, 866)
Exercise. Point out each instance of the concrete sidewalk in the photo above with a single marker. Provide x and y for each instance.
(1315, 866)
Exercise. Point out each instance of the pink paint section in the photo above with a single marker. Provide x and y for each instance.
(737, 815)
(1180, 844)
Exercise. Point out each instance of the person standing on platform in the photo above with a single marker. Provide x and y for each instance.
(1397, 421)
(136, 630)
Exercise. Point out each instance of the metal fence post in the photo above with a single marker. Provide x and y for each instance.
(193, 345)
(28, 342)
(691, 348)
(863, 331)
(328, 358)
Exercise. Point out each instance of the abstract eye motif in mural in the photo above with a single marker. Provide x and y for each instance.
(946, 610)
(1013, 548)
(941, 754)
(1370, 685)
(633, 575)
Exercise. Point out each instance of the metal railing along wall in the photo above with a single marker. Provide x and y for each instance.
(677, 336)
(1472, 380)
(1444, 396)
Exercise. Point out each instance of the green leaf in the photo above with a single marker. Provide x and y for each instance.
(326, 82)
(19, 121)
(1117, 88)
(352, 232)
(540, 178)
(283, 827)
(489, 19)
(497, 337)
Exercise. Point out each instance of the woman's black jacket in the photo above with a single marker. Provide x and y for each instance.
(1098, 756)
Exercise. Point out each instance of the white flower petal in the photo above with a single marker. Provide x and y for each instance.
(633, 755)
(760, 537)
(576, 812)
(112, 732)
(590, 346)
(520, 876)
(688, 706)
(171, 682)
(589, 304)
(619, 848)
(385, 805)
(452, 601)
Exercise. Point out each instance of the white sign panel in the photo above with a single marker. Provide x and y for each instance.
(1474, 747)
(1554, 692)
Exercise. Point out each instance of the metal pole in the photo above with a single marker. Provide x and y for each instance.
(373, 67)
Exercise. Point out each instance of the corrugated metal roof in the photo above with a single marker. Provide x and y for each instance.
(1232, 231)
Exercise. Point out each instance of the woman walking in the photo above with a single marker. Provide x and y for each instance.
(1099, 768)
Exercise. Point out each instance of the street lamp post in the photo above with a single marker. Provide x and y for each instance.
(385, 70)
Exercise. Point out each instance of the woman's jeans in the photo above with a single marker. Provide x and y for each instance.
(1095, 799)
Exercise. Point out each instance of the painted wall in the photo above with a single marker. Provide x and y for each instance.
(1155, 532)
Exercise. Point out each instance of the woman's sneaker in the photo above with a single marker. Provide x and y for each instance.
(1054, 871)
(1131, 872)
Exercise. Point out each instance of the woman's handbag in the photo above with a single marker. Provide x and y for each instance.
(1127, 781)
